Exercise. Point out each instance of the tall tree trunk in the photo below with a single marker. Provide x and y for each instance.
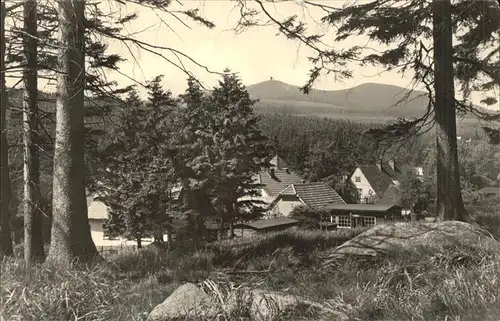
(33, 237)
(449, 196)
(70, 238)
(5, 193)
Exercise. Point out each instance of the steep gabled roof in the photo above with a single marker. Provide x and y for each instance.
(390, 196)
(392, 173)
(282, 178)
(314, 195)
(379, 179)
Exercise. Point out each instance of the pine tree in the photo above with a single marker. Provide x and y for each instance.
(5, 193)
(33, 236)
(239, 150)
(70, 236)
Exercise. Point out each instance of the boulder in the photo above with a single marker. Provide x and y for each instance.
(187, 302)
(416, 238)
(190, 302)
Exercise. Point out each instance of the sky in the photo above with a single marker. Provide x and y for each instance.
(256, 54)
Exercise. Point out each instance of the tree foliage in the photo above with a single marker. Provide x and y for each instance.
(234, 148)
(137, 176)
(208, 144)
(412, 192)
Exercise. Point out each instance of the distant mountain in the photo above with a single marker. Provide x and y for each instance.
(367, 101)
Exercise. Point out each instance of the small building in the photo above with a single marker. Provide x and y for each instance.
(313, 195)
(490, 191)
(362, 215)
(266, 226)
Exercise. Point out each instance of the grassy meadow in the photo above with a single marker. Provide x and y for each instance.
(404, 287)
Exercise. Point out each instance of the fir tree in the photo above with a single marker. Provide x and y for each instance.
(138, 174)
(239, 150)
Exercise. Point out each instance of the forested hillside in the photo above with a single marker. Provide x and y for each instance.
(366, 103)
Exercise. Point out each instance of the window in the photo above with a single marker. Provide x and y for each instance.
(344, 221)
(369, 221)
(357, 179)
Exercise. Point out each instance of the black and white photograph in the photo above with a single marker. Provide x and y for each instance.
(250, 160)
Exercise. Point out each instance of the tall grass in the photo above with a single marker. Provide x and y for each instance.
(69, 294)
(463, 284)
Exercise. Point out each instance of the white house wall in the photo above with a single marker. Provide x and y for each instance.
(97, 233)
(285, 207)
(366, 190)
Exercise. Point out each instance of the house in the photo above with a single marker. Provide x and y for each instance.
(266, 226)
(273, 181)
(490, 191)
(313, 195)
(362, 215)
(372, 179)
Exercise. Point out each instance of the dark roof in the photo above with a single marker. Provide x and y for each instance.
(282, 178)
(360, 207)
(390, 196)
(490, 190)
(387, 169)
(278, 162)
(380, 178)
(314, 195)
(272, 222)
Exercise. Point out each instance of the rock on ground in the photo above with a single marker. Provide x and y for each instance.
(190, 302)
(397, 237)
(187, 302)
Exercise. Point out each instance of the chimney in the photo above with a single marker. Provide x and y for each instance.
(392, 163)
(271, 172)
